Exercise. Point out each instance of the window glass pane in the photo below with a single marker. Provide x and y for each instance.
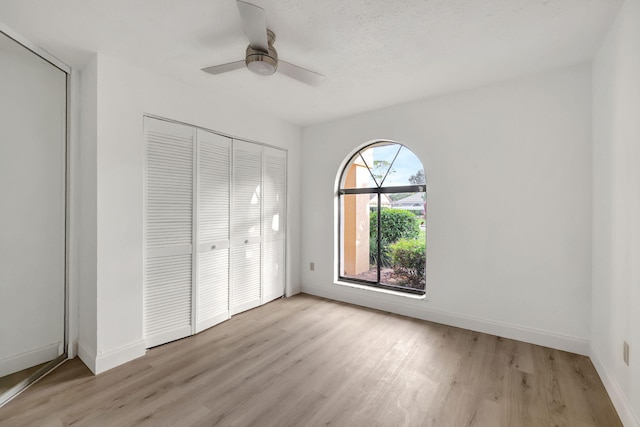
(405, 170)
(357, 247)
(379, 158)
(403, 241)
(357, 175)
(371, 167)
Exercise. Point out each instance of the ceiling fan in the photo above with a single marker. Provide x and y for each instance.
(261, 57)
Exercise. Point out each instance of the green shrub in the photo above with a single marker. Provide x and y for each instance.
(395, 224)
(385, 253)
(408, 258)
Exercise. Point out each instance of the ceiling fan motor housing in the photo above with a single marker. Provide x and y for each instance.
(261, 62)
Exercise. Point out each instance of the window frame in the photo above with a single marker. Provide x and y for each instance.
(378, 191)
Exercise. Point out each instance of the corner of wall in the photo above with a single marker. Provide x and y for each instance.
(98, 364)
(616, 236)
(88, 357)
(625, 411)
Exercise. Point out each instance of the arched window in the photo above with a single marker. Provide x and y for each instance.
(383, 219)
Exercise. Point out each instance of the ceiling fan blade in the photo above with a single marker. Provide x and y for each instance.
(254, 22)
(223, 68)
(301, 74)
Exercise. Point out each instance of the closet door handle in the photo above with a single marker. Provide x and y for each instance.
(246, 241)
(213, 246)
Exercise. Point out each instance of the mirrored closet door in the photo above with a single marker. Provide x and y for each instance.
(33, 135)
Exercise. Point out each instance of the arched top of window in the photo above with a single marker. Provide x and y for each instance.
(382, 165)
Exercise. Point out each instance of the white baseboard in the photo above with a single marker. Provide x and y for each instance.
(72, 350)
(118, 356)
(628, 417)
(112, 358)
(382, 302)
(27, 359)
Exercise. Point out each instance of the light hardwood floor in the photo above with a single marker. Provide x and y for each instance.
(306, 361)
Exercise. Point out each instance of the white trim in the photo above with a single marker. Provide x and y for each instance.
(232, 190)
(72, 349)
(73, 207)
(35, 49)
(143, 219)
(18, 362)
(112, 358)
(628, 417)
(195, 229)
(88, 357)
(262, 236)
(226, 135)
(380, 301)
(119, 356)
(382, 290)
(287, 285)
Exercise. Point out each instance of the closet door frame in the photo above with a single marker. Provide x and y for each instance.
(67, 225)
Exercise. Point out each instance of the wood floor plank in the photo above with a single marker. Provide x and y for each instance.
(308, 361)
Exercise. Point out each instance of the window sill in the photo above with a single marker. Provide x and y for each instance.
(381, 290)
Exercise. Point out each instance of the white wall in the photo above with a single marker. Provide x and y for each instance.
(616, 211)
(124, 95)
(508, 172)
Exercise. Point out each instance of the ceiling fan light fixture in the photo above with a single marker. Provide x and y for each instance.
(260, 62)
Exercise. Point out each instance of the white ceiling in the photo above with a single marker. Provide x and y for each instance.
(374, 53)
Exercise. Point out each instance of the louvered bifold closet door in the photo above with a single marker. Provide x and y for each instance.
(274, 211)
(245, 292)
(214, 181)
(168, 231)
